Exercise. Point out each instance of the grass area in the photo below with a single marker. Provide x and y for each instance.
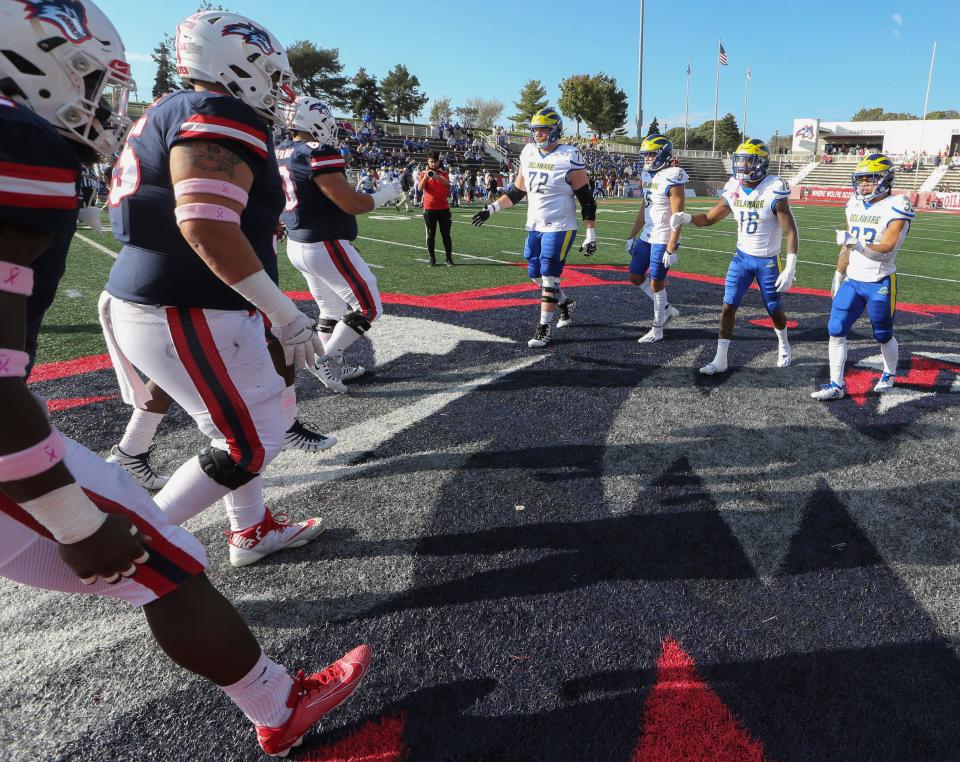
(929, 263)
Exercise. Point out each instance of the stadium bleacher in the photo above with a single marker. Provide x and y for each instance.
(838, 173)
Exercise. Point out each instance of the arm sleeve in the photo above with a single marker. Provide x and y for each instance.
(231, 123)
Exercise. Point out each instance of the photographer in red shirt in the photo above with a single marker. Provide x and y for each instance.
(434, 183)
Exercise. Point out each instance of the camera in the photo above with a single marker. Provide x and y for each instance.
(431, 173)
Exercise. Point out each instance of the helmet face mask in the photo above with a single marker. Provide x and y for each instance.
(67, 65)
(751, 161)
(656, 152)
(546, 118)
(876, 171)
(232, 51)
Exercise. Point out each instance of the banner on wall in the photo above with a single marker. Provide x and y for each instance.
(805, 133)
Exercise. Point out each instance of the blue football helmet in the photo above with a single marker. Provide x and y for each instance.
(880, 169)
(751, 161)
(547, 117)
(658, 150)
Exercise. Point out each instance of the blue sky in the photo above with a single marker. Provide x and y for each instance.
(807, 59)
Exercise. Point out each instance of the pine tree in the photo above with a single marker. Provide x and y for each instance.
(365, 96)
(401, 94)
(533, 97)
(166, 79)
(319, 73)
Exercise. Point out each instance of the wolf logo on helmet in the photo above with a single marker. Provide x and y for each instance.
(69, 16)
(252, 35)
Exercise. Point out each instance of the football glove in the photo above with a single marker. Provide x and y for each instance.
(299, 340)
(90, 216)
(630, 245)
(389, 192)
(670, 258)
(589, 245)
(482, 216)
(785, 278)
(845, 238)
(679, 218)
(838, 279)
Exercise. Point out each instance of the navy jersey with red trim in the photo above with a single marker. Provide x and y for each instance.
(309, 215)
(156, 265)
(39, 187)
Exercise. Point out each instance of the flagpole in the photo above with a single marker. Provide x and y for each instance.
(640, 80)
(686, 109)
(716, 98)
(746, 95)
(923, 124)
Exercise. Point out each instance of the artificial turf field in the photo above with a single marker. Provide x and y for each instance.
(584, 553)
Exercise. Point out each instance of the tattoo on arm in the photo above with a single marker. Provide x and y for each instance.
(211, 157)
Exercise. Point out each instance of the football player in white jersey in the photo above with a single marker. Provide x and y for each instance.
(759, 204)
(554, 176)
(866, 277)
(655, 248)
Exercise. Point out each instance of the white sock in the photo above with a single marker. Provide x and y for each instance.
(720, 358)
(245, 506)
(343, 336)
(262, 693)
(659, 308)
(562, 298)
(782, 338)
(288, 402)
(837, 351)
(325, 335)
(546, 318)
(188, 492)
(891, 355)
(647, 288)
(140, 432)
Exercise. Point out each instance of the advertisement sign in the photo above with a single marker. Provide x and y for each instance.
(949, 200)
(805, 132)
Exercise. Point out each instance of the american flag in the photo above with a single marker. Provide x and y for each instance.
(723, 55)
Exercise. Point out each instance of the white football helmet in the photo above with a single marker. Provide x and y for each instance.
(313, 116)
(64, 60)
(233, 51)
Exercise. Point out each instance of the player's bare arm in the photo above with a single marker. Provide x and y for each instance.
(788, 225)
(704, 220)
(52, 496)
(337, 188)
(222, 246)
(879, 251)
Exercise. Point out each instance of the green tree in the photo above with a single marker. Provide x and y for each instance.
(948, 114)
(612, 112)
(654, 128)
(578, 98)
(877, 114)
(320, 73)
(440, 110)
(728, 133)
(485, 111)
(365, 96)
(166, 80)
(401, 94)
(533, 97)
(780, 142)
(467, 115)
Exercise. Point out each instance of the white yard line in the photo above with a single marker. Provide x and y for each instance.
(422, 248)
(98, 246)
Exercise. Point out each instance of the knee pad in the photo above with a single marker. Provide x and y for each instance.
(883, 335)
(326, 325)
(835, 327)
(218, 466)
(551, 288)
(538, 281)
(357, 321)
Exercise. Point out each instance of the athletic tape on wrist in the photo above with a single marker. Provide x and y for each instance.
(494, 207)
(34, 460)
(213, 212)
(13, 363)
(16, 279)
(67, 513)
(211, 188)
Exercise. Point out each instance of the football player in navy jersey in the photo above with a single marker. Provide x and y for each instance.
(320, 217)
(69, 522)
(195, 200)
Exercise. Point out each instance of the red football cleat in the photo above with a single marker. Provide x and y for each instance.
(312, 697)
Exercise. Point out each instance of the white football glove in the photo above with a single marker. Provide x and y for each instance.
(670, 258)
(845, 238)
(679, 218)
(838, 279)
(785, 278)
(300, 341)
(630, 245)
(90, 216)
(389, 192)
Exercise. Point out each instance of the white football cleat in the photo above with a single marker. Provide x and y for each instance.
(670, 313)
(886, 382)
(247, 546)
(138, 466)
(712, 368)
(785, 357)
(829, 391)
(566, 310)
(325, 369)
(654, 334)
(542, 336)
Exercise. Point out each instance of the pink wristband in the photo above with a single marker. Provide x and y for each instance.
(206, 212)
(16, 279)
(13, 363)
(34, 460)
(212, 188)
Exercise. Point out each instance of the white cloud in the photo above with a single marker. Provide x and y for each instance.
(897, 19)
(142, 57)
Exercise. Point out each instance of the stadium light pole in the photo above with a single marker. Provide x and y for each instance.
(923, 124)
(686, 109)
(716, 100)
(640, 80)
